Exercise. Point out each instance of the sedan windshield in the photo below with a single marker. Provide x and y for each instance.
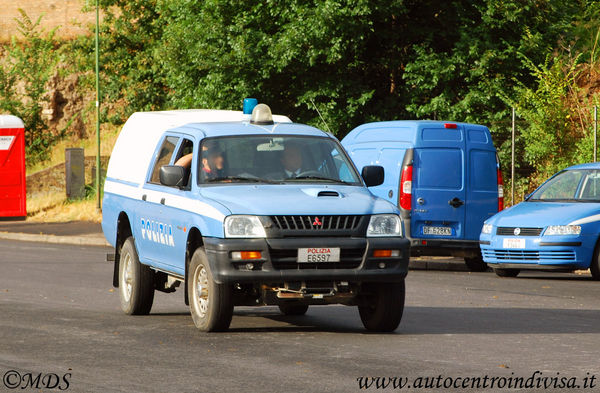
(581, 185)
(274, 159)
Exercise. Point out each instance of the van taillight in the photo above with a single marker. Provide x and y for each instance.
(406, 188)
(500, 191)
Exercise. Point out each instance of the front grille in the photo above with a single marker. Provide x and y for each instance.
(316, 223)
(528, 255)
(510, 231)
(350, 258)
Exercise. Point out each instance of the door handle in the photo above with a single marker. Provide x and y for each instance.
(144, 197)
(162, 201)
(455, 202)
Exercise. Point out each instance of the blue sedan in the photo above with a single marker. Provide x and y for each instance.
(557, 227)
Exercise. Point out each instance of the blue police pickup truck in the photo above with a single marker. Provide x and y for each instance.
(249, 209)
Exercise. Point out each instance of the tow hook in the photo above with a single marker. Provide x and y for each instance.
(300, 290)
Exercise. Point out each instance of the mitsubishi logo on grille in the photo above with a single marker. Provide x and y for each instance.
(517, 231)
(317, 222)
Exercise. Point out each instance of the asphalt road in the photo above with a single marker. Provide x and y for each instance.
(59, 315)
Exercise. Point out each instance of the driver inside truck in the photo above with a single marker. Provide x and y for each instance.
(292, 160)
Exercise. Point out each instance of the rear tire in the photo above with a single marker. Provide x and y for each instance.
(476, 264)
(507, 272)
(211, 304)
(136, 281)
(385, 308)
(293, 309)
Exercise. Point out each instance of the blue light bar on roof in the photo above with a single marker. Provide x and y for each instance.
(249, 104)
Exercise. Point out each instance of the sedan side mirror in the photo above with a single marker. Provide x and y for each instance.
(373, 175)
(173, 176)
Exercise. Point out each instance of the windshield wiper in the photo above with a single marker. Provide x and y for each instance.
(241, 178)
(312, 177)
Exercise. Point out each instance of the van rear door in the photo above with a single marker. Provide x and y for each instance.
(482, 180)
(439, 192)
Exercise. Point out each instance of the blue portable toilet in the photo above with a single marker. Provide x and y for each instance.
(445, 178)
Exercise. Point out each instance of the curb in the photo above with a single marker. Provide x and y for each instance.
(446, 266)
(96, 241)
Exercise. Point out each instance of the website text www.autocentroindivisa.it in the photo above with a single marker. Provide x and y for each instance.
(537, 380)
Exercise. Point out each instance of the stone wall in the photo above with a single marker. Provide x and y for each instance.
(66, 14)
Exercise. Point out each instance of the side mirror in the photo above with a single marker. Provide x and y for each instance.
(173, 176)
(373, 175)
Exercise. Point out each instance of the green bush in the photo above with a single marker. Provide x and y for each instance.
(29, 62)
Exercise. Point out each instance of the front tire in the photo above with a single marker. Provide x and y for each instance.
(211, 304)
(136, 282)
(507, 272)
(595, 265)
(385, 308)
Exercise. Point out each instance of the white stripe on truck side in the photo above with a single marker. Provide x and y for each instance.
(176, 201)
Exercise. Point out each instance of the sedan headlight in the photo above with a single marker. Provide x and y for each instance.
(243, 226)
(385, 225)
(563, 230)
(487, 229)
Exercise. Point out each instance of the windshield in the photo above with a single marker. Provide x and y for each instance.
(582, 185)
(274, 159)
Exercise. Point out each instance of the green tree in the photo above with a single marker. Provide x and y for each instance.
(473, 54)
(549, 138)
(298, 57)
(130, 32)
(353, 60)
(24, 72)
(357, 60)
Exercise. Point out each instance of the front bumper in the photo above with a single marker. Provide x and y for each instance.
(563, 267)
(539, 252)
(278, 263)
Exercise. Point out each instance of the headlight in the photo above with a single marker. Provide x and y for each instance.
(243, 226)
(385, 225)
(487, 229)
(563, 230)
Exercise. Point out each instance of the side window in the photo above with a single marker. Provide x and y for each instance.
(591, 186)
(164, 157)
(185, 153)
(184, 158)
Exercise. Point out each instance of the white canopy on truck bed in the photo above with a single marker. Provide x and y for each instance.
(141, 133)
